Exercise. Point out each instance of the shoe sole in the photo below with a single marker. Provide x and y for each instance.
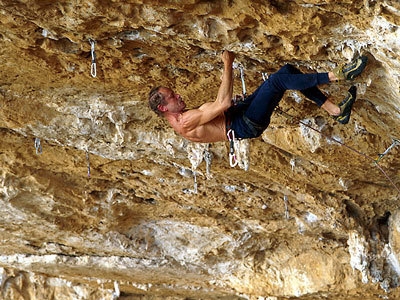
(344, 117)
(350, 72)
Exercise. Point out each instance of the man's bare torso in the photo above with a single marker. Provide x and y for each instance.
(213, 131)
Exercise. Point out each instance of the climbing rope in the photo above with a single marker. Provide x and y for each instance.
(375, 161)
(231, 135)
(395, 142)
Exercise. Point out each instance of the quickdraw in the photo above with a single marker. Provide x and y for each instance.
(394, 144)
(285, 200)
(231, 134)
(241, 69)
(88, 163)
(38, 146)
(93, 66)
(232, 156)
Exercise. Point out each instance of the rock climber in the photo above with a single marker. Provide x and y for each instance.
(248, 119)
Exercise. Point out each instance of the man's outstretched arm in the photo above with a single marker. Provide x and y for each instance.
(225, 91)
(209, 111)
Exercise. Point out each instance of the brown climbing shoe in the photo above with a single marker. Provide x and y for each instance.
(346, 105)
(352, 69)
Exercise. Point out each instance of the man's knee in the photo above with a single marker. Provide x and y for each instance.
(289, 69)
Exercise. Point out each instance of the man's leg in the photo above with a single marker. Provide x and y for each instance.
(263, 102)
(267, 96)
(312, 93)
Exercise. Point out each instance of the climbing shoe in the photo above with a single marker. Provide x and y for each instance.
(352, 69)
(346, 105)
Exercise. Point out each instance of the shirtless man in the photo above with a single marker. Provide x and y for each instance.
(248, 119)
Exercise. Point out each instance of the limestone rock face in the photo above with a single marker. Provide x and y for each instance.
(100, 199)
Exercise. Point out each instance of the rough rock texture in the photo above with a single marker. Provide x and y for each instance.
(314, 216)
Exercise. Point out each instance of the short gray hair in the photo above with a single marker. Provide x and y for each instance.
(155, 99)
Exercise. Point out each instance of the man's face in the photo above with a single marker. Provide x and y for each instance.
(173, 102)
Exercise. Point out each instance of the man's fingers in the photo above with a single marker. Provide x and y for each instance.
(227, 55)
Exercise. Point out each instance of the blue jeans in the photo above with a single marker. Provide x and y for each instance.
(252, 116)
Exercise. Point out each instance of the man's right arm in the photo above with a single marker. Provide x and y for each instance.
(209, 111)
(225, 91)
